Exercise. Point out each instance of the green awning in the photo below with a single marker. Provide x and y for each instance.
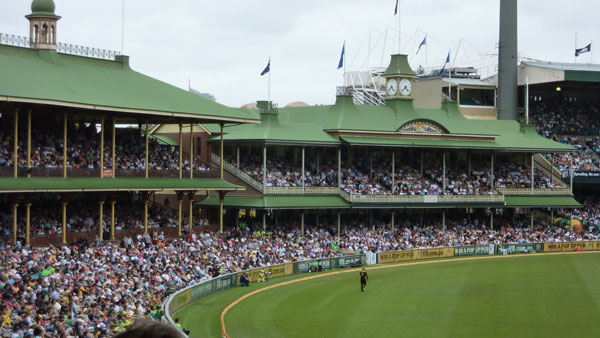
(278, 202)
(543, 146)
(13, 185)
(165, 140)
(541, 202)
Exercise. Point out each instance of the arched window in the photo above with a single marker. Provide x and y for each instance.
(52, 35)
(36, 37)
(45, 34)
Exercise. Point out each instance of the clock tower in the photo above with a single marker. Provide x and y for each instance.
(399, 78)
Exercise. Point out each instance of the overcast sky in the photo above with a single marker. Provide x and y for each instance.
(222, 46)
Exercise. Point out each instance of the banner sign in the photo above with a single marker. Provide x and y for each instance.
(473, 250)
(371, 258)
(435, 253)
(398, 256)
(586, 173)
(520, 248)
(570, 246)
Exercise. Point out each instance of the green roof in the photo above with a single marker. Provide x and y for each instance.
(164, 140)
(278, 202)
(272, 131)
(541, 201)
(399, 66)
(305, 125)
(112, 184)
(47, 77)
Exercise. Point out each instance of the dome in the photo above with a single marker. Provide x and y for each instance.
(43, 7)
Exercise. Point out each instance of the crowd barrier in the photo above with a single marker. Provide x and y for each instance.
(193, 293)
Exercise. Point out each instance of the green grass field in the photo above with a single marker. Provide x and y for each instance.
(531, 296)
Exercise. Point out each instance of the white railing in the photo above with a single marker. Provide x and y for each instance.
(536, 191)
(237, 172)
(66, 48)
(299, 191)
(422, 198)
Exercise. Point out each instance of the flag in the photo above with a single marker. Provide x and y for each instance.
(396, 8)
(445, 63)
(267, 68)
(341, 63)
(423, 43)
(579, 51)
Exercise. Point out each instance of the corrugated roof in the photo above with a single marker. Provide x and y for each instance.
(468, 82)
(541, 201)
(47, 77)
(279, 202)
(586, 67)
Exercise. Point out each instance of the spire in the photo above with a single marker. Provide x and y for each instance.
(42, 24)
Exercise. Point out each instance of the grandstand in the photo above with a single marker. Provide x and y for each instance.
(66, 117)
(122, 196)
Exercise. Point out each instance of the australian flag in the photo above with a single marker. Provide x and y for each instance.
(579, 51)
(267, 68)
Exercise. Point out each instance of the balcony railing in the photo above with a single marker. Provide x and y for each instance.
(535, 191)
(298, 191)
(497, 198)
(237, 172)
(7, 172)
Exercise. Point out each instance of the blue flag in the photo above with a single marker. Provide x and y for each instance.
(445, 63)
(579, 51)
(267, 68)
(423, 43)
(396, 8)
(341, 63)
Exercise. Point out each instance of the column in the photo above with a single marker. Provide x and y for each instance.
(114, 147)
(469, 160)
(180, 202)
(65, 120)
(492, 172)
(101, 207)
(16, 148)
(147, 150)
(112, 219)
(444, 171)
(571, 174)
(339, 167)
(102, 150)
(422, 159)
(264, 219)
(532, 174)
(146, 216)
(552, 168)
(303, 177)
(64, 222)
(238, 157)
(221, 161)
(318, 168)
(191, 150)
(370, 165)
(339, 224)
(28, 222)
(302, 223)
(191, 210)
(180, 153)
(531, 219)
(221, 200)
(264, 168)
(15, 206)
(393, 172)
(393, 219)
(491, 219)
(444, 220)
(29, 143)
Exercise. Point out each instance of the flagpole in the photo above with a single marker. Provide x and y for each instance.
(449, 79)
(123, 27)
(527, 99)
(399, 29)
(591, 52)
(425, 50)
(269, 88)
(344, 75)
(575, 47)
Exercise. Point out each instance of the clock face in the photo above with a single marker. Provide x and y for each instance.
(405, 87)
(392, 87)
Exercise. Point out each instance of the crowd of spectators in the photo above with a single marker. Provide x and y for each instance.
(83, 150)
(97, 289)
